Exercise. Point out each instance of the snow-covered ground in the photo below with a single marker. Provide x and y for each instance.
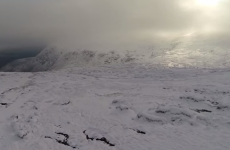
(122, 107)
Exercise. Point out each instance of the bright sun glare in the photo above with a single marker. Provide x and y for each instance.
(204, 4)
(208, 2)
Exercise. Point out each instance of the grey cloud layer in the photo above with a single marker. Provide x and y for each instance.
(37, 21)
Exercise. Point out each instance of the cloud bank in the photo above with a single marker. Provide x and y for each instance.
(36, 22)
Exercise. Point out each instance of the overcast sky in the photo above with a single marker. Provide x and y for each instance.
(28, 22)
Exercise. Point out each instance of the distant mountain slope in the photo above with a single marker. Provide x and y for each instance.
(5, 59)
(187, 51)
(41, 62)
(9, 55)
(53, 58)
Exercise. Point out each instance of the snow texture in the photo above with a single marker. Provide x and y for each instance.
(115, 107)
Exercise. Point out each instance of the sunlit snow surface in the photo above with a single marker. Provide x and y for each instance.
(123, 107)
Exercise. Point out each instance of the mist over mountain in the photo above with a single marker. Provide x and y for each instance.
(197, 29)
(195, 51)
(28, 23)
(114, 74)
(9, 55)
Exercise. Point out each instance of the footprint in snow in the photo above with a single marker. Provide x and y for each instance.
(63, 102)
(121, 108)
(162, 115)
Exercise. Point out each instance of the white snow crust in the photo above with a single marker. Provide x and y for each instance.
(115, 107)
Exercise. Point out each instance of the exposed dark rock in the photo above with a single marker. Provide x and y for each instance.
(66, 103)
(139, 131)
(103, 139)
(202, 110)
(222, 107)
(4, 104)
(192, 99)
(64, 141)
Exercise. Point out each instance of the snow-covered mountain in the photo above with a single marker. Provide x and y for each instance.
(116, 99)
(53, 58)
(187, 51)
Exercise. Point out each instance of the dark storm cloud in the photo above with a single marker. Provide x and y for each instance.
(29, 22)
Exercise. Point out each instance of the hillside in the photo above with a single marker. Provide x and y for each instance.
(122, 107)
(184, 52)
